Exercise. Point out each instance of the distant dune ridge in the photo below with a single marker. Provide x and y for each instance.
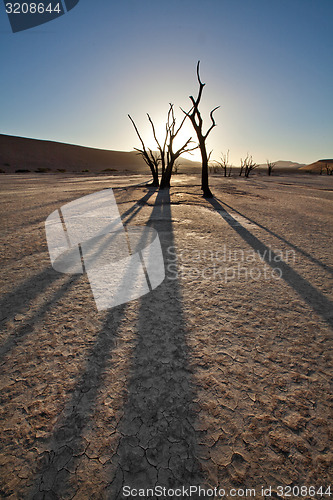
(284, 164)
(319, 166)
(20, 153)
(23, 154)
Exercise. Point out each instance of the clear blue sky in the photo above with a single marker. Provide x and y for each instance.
(267, 63)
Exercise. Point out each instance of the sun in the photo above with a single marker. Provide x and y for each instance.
(186, 136)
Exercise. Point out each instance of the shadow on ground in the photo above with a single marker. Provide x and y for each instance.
(144, 435)
(311, 295)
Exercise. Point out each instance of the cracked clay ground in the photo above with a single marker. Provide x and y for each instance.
(219, 377)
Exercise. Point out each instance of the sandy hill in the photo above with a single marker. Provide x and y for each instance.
(319, 166)
(19, 153)
(284, 164)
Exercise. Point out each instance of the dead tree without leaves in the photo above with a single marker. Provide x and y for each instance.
(327, 166)
(148, 155)
(196, 119)
(166, 156)
(329, 169)
(247, 165)
(224, 164)
(170, 155)
(242, 166)
(214, 168)
(270, 166)
(176, 167)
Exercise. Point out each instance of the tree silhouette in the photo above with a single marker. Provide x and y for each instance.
(224, 164)
(171, 155)
(166, 156)
(270, 166)
(197, 122)
(149, 156)
(329, 169)
(247, 165)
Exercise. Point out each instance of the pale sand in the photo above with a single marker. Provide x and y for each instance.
(202, 381)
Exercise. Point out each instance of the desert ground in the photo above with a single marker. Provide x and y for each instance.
(219, 378)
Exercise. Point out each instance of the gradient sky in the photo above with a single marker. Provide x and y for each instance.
(267, 63)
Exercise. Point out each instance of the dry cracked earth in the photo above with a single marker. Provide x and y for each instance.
(220, 377)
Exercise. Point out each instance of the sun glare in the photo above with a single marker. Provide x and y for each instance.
(185, 133)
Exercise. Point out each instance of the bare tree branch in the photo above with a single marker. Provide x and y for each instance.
(201, 86)
(213, 121)
(136, 130)
(148, 157)
(270, 166)
(197, 123)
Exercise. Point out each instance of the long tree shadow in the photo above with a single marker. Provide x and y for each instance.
(67, 443)
(131, 212)
(22, 298)
(28, 325)
(311, 295)
(295, 247)
(19, 300)
(158, 441)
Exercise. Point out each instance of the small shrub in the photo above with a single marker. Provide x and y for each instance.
(62, 170)
(42, 170)
(109, 170)
(2, 171)
(22, 171)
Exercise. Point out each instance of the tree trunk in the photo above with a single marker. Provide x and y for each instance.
(204, 171)
(154, 173)
(166, 177)
(196, 119)
(165, 183)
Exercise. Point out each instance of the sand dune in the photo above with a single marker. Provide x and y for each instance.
(19, 153)
(318, 166)
(283, 165)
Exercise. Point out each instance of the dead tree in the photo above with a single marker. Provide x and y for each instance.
(160, 148)
(176, 167)
(270, 166)
(197, 122)
(170, 156)
(247, 165)
(329, 169)
(224, 163)
(149, 157)
(242, 166)
(166, 156)
(250, 165)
